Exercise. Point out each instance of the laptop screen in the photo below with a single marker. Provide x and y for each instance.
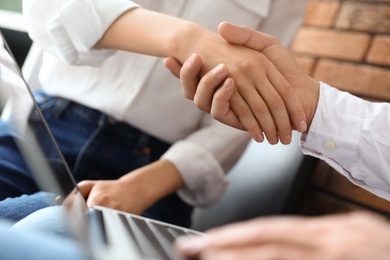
(30, 128)
(105, 233)
(35, 141)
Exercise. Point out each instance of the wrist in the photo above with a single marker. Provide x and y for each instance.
(192, 38)
(154, 181)
(313, 96)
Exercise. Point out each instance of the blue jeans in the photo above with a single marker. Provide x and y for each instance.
(94, 146)
(35, 245)
(41, 236)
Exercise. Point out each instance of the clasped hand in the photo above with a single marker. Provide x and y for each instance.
(266, 91)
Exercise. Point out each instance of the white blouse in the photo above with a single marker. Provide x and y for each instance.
(353, 136)
(138, 89)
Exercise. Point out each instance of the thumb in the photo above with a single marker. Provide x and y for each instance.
(85, 187)
(173, 66)
(241, 35)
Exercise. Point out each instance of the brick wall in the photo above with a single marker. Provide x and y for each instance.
(346, 44)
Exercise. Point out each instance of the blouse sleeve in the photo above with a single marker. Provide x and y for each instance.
(69, 29)
(204, 158)
(353, 136)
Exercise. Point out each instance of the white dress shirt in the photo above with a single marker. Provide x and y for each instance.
(353, 136)
(138, 89)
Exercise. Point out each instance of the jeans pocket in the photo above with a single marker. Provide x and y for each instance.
(54, 106)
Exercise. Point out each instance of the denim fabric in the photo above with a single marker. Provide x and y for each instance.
(15, 209)
(48, 221)
(94, 146)
(15, 178)
(36, 245)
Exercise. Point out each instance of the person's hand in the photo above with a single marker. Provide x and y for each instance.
(260, 90)
(151, 183)
(213, 98)
(336, 237)
(114, 194)
(260, 97)
(306, 87)
(202, 90)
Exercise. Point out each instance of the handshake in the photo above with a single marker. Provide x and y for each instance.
(264, 91)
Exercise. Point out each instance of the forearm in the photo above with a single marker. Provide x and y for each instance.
(154, 181)
(143, 31)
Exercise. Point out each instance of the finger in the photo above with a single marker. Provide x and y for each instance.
(276, 106)
(289, 110)
(260, 251)
(260, 42)
(241, 246)
(220, 108)
(261, 114)
(212, 98)
(267, 105)
(264, 230)
(173, 66)
(189, 75)
(207, 86)
(265, 116)
(190, 246)
(243, 111)
(284, 86)
(85, 187)
(242, 35)
(253, 112)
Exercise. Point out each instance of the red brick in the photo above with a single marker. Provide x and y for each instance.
(380, 51)
(321, 13)
(364, 17)
(333, 44)
(364, 80)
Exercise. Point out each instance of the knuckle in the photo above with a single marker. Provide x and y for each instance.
(260, 109)
(273, 39)
(286, 89)
(188, 95)
(361, 218)
(253, 128)
(188, 91)
(284, 129)
(277, 103)
(217, 115)
(248, 65)
(201, 105)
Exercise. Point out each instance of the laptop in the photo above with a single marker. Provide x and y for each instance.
(105, 233)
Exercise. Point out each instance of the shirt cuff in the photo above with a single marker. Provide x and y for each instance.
(335, 129)
(205, 180)
(79, 25)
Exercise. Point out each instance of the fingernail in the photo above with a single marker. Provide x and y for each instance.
(228, 83)
(191, 62)
(191, 244)
(287, 139)
(219, 70)
(260, 138)
(273, 140)
(302, 126)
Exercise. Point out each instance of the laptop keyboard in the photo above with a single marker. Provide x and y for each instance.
(146, 240)
(153, 239)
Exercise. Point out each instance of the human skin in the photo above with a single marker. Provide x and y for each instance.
(213, 92)
(343, 236)
(153, 181)
(270, 96)
(352, 236)
(166, 36)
